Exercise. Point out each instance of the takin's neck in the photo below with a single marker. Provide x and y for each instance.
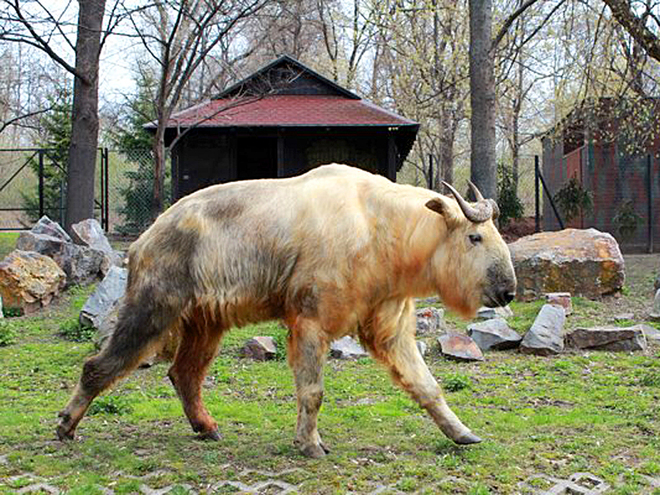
(413, 235)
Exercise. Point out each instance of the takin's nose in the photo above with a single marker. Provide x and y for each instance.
(506, 296)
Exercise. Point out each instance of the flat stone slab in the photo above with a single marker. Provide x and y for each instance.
(107, 293)
(429, 320)
(347, 348)
(545, 337)
(655, 312)
(460, 347)
(608, 339)
(494, 334)
(485, 313)
(652, 334)
(260, 348)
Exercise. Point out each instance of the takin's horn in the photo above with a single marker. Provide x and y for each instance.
(479, 197)
(481, 212)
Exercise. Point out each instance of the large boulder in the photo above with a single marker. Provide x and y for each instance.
(608, 339)
(82, 264)
(29, 280)
(103, 299)
(90, 233)
(583, 262)
(46, 226)
(545, 337)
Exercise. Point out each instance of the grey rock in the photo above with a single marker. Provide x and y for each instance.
(656, 284)
(545, 337)
(494, 334)
(655, 312)
(624, 317)
(652, 334)
(347, 348)
(90, 233)
(485, 313)
(429, 320)
(81, 264)
(102, 300)
(608, 339)
(422, 347)
(460, 347)
(562, 299)
(107, 323)
(260, 348)
(45, 244)
(47, 227)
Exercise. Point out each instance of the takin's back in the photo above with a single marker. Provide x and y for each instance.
(247, 242)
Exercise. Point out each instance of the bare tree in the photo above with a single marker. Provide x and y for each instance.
(178, 35)
(34, 24)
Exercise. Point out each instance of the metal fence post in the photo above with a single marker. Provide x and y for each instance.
(649, 196)
(41, 183)
(537, 196)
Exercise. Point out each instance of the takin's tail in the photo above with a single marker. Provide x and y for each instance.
(142, 325)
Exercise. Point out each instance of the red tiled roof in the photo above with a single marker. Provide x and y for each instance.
(287, 110)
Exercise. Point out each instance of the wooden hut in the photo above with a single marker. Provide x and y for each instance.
(281, 121)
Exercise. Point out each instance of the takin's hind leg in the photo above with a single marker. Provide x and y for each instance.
(307, 352)
(200, 338)
(140, 329)
(394, 345)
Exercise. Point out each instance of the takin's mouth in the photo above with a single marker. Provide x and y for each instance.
(498, 298)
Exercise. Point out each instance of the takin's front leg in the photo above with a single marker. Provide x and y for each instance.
(306, 354)
(391, 340)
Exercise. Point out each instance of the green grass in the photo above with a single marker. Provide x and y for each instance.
(595, 412)
(7, 243)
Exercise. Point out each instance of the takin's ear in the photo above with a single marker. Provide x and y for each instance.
(441, 206)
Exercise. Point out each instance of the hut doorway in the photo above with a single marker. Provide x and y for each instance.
(256, 158)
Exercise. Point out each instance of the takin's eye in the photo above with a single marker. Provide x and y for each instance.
(475, 239)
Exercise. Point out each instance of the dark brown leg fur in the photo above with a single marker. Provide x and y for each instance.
(142, 325)
(200, 338)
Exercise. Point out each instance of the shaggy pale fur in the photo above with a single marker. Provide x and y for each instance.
(333, 252)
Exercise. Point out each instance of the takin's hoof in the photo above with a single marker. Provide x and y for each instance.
(211, 435)
(315, 451)
(467, 439)
(65, 430)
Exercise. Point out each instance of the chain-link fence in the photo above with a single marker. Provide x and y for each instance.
(411, 174)
(130, 191)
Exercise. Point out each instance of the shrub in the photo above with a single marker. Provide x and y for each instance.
(110, 404)
(75, 331)
(7, 334)
(507, 193)
(573, 199)
(456, 382)
(626, 220)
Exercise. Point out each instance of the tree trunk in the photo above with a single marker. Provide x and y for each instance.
(483, 170)
(158, 201)
(85, 117)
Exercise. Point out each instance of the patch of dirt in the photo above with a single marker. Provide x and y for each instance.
(516, 229)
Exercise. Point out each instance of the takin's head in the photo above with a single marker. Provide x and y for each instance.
(472, 265)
